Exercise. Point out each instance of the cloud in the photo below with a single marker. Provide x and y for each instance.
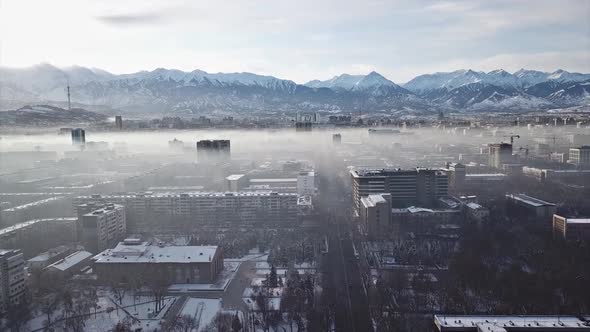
(131, 19)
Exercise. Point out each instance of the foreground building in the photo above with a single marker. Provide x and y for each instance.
(101, 227)
(12, 278)
(420, 186)
(375, 214)
(490, 323)
(571, 229)
(133, 260)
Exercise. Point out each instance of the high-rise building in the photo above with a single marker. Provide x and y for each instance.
(306, 183)
(101, 226)
(500, 154)
(12, 278)
(119, 122)
(420, 186)
(456, 173)
(304, 121)
(78, 136)
(580, 156)
(213, 150)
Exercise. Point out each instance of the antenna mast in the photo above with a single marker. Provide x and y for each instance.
(69, 104)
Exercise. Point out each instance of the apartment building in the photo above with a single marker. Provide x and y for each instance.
(12, 278)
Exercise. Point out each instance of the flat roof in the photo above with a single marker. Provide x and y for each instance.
(32, 204)
(235, 177)
(578, 220)
(148, 253)
(275, 180)
(189, 194)
(526, 199)
(471, 323)
(66, 263)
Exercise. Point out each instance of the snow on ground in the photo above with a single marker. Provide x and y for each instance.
(272, 292)
(274, 303)
(229, 272)
(263, 272)
(204, 310)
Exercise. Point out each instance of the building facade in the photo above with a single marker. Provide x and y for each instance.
(213, 150)
(500, 154)
(203, 207)
(133, 260)
(571, 229)
(420, 186)
(101, 226)
(12, 278)
(78, 136)
(375, 214)
(580, 156)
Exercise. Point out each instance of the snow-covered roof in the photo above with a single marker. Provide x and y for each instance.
(528, 200)
(234, 177)
(474, 206)
(578, 220)
(147, 253)
(70, 261)
(36, 203)
(276, 180)
(30, 223)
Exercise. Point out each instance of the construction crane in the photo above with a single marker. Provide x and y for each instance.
(512, 137)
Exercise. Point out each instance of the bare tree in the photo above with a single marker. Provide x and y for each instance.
(48, 306)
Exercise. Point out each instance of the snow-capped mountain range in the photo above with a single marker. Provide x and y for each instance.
(171, 90)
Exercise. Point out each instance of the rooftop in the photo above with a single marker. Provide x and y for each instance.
(28, 223)
(148, 253)
(36, 203)
(70, 261)
(528, 200)
(234, 177)
(372, 200)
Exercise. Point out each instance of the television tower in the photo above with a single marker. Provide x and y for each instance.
(69, 104)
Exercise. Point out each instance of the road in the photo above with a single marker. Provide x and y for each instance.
(343, 288)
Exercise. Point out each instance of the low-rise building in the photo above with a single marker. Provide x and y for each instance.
(133, 260)
(69, 265)
(466, 323)
(525, 206)
(571, 229)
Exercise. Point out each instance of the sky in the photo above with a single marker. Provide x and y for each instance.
(299, 40)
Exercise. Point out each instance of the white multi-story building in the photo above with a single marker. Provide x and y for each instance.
(101, 226)
(306, 183)
(375, 213)
(12, 278)
(204, 207)
(580, 156)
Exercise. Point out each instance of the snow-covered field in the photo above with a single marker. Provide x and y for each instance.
(203, 310)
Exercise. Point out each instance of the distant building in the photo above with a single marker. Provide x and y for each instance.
(36, 235)
(48, 257)
(500, 154)
(571, 229)
(176, 144)
(336, 138)
(304, 121)
(476, 212)
(375, 214)
(456, 173)
(213, 150)
(420, 186)
(133, 260)
(119, 122)
(236, 182)
(490, 323)
(101, 226)
(12, 278)
(78, 136)
(306, 183)
(377, 132)
(580, 156)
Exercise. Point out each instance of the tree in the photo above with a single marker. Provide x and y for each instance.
(184, 323)
(18, 315)
(122, 326)
(272, 279)
(48, 306)
(236, 324)
(118, 290)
